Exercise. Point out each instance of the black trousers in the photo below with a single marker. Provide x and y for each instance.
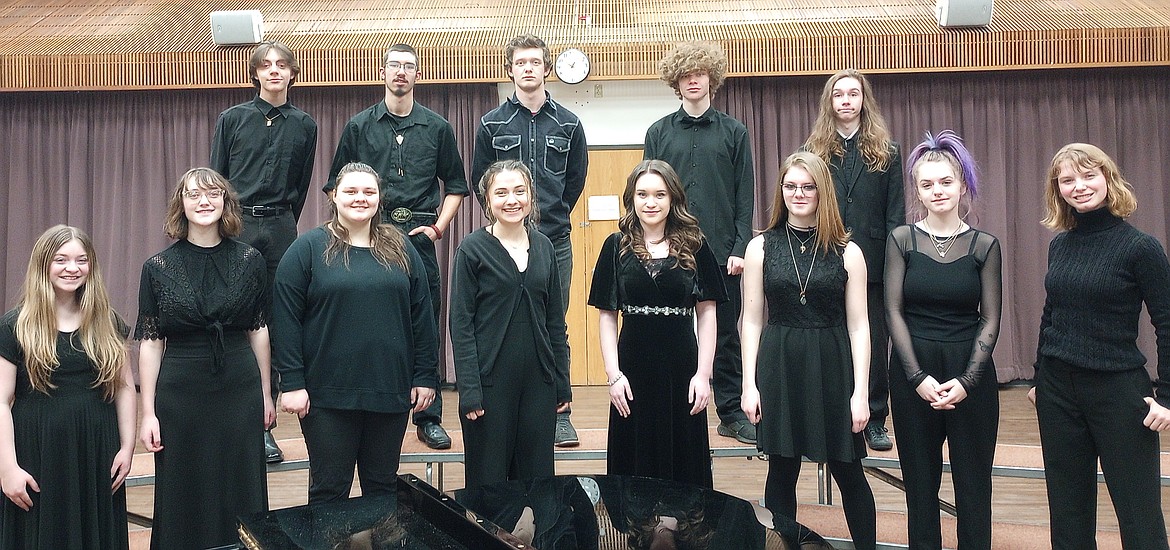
(514, 437)
(338, 439)
(1086, 415)
(426, 250)
(879, 353)
(970, 432)
(727, 375)
(271, 236)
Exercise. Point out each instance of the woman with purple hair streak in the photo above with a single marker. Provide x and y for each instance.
(943, 296)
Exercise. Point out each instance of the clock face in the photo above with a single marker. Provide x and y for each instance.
(572, 66)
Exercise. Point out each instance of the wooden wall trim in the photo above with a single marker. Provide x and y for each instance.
(159, 44)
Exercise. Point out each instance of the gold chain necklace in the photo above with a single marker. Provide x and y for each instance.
(811, 233)
(791, 250)
(942, 245)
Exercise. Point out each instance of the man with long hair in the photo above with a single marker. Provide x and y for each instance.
(866, 164)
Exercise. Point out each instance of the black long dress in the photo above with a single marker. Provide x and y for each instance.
(208, 400)
(66, 441)
(658, 354)
(804, 369)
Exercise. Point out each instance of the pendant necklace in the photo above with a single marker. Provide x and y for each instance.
(803, 286)
(812, 231)
(267, 120)
(942, 245)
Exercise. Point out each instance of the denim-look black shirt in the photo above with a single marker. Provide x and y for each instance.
(713, 157)
(267, 164)
(550, 142)
(410, 167)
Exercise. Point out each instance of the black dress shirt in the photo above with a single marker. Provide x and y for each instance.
(410, 166)
(266, 153)
(713, 158)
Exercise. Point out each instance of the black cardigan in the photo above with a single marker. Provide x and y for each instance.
(485, 288)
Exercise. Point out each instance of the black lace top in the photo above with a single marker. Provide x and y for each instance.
(191, 290)
(824, 289)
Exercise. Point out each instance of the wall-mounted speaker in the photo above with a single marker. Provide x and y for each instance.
(236, 27)
(963, 13)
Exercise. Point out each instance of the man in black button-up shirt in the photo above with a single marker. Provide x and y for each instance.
(413, 149)
(712, 155)
(265, 148)
(549, 139)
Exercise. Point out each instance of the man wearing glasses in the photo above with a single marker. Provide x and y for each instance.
(549, 139)
(265, 148)
(412, 148)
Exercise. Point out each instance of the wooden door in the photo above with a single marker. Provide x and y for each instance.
(608, 169)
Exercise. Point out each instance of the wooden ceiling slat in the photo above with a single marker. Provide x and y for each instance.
(110, 44)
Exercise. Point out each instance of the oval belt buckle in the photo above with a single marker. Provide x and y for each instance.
(401, 215)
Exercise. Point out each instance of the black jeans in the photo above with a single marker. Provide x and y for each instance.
(337, 439)
(1084, 415)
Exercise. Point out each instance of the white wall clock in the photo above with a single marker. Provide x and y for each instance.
(572, 66)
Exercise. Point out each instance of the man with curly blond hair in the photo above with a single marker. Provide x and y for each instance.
(712, 155)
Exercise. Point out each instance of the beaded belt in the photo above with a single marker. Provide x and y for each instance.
(657, 310)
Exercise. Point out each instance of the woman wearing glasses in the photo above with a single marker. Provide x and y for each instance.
(203, 365)
(809, 390)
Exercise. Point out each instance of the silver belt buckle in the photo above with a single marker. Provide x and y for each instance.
(401, 215)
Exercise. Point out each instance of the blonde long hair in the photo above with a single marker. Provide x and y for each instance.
(873, 135)
(36, 324)
(830, 229)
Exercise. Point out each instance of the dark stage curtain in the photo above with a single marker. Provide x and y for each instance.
(105, 161)
(1013, 122)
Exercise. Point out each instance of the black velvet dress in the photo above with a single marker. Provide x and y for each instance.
(804, 369)
(66, 441)
(210, 407)
(658, 354)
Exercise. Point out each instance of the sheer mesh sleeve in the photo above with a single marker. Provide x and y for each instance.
(990, 305)
(896, 246)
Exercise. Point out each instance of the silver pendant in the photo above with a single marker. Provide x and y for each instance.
(802, 249)
(268, 123)
(802, 300)
(398, 138)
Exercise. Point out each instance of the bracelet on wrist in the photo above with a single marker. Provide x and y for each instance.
(615, 380)
(438, 234)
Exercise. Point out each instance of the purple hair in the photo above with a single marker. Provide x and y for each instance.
(948, 146)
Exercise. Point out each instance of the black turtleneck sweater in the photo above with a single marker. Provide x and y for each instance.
(1099, 274)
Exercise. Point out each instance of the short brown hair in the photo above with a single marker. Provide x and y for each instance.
(1119, 197)
(230, 223)
(524, 42)
(261, 52)
(688, 57)
(400, 47)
